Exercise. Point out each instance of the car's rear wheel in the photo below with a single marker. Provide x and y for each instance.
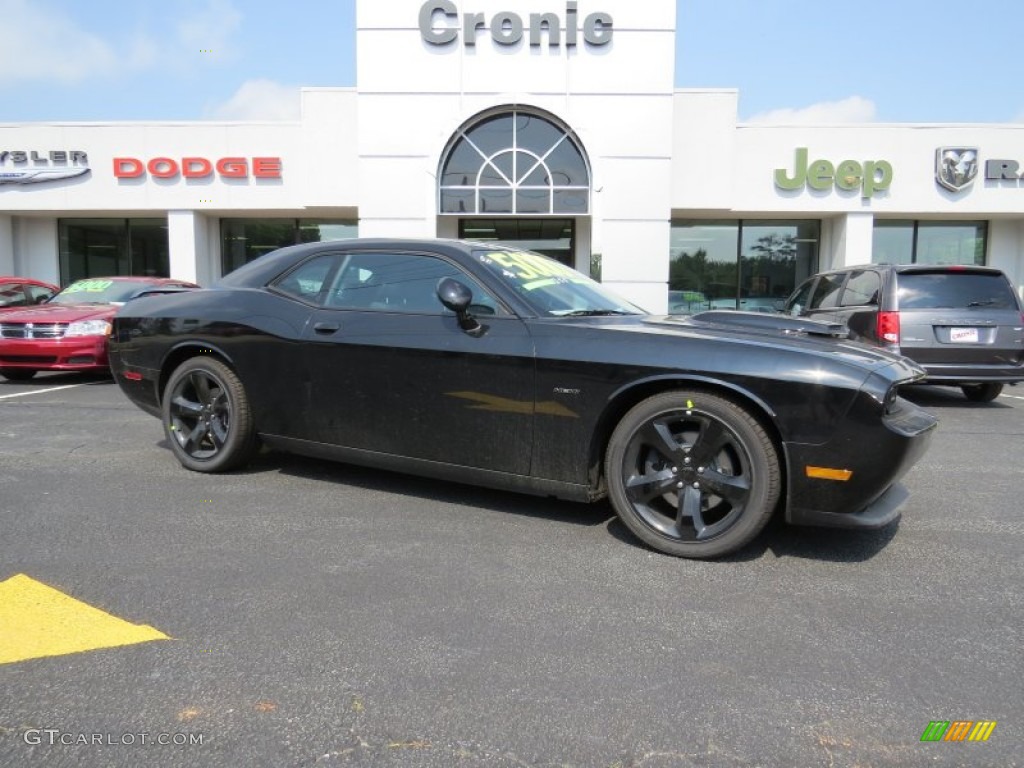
(982, 393)
(207, 418)
(692, 474)
(17, 374)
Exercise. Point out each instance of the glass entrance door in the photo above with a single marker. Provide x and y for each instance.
(552, 237)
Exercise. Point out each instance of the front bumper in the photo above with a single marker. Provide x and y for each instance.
(878, 452)
(77, 353)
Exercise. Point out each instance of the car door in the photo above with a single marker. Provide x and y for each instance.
(392, 372)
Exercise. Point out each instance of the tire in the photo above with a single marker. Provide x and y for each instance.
(982, 393)
(692, 474)
(207, 418)
(17, 374)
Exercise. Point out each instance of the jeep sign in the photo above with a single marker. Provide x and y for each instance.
(869, 177)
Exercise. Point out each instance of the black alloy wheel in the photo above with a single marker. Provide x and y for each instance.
(982, 393)
(692, 474)
(207, 418)
(17, 374)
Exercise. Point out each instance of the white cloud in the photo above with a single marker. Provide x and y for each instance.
(260, 100)
(854, 109)
(42, 44)
(210, 29)
(45, 44)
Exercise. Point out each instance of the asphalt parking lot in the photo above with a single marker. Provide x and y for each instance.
(322, 614)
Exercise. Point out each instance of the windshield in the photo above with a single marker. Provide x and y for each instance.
(551, 287)
(99, 292)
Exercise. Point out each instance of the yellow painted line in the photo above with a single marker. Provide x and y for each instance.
(39, 391)
(38, 621)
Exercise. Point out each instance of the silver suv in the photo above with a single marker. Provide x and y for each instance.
(962, 324)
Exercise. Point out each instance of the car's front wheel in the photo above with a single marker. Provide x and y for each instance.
(982, 393)
(207, 418)
(692, 474)
(17, 374)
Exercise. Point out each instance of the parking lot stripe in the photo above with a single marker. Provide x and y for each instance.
(39, 621)
(39, 391)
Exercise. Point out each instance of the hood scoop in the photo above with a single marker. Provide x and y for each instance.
(764, 322)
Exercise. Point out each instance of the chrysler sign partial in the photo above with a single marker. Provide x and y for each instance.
(197, 167)
(34, 167)
(440, 24)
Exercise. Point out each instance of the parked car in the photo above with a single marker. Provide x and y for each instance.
(69, 331)
(24, 292)
(476, 363)
(962, 324)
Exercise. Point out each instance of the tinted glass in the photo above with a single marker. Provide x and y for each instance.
(826, 293)
(956, 290)
(893, 242)
(12, 295)
(929, 242)
(798, 301)
(400, 282)
(950, 243)
(307, 280)
(862, 289)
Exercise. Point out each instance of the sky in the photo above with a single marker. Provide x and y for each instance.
(792, 61)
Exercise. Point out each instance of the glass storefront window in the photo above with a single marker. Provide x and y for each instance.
(929, 242)
(243, 240)
(750, 265)
(106, 247)
(514, 163)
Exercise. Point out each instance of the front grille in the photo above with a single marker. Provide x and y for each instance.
(32, 330)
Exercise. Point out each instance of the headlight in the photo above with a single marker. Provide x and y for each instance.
(88, 328)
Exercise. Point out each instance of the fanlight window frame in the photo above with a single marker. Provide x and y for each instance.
(491, 179)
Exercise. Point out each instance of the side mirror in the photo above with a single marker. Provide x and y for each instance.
(457, 297)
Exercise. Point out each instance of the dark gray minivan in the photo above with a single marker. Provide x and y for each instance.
(962, 324)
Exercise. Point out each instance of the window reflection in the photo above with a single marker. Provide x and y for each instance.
(243, 240)
(105, 247)
(929, 242)
(748, 265)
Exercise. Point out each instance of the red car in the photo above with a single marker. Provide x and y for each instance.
(24, 292)
(69, 331)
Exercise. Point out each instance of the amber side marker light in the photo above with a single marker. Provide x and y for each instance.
(824, 473)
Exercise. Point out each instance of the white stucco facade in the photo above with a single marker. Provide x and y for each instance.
(372, 153)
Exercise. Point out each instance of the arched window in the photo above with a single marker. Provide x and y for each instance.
(516, 163)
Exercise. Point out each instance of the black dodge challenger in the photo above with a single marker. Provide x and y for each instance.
(478, 363)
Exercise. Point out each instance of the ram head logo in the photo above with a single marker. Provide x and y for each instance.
(956, 167)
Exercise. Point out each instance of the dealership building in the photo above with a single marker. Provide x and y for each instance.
(555, 125)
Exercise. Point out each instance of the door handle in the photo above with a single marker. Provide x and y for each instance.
(326, 328)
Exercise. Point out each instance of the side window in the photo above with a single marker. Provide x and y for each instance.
(307, 281)
(38, 294)
(11, 295)
(400, 282)
(826, 293)
(798, 301)
(862, 289)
